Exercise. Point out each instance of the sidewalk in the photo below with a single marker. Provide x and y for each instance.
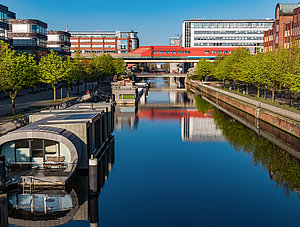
(42, 98)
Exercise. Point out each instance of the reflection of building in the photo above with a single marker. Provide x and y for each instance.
(104, 42)
(59, 41)
(285, 27)
(200, 129)
(225, 33)
(28, 36)
(5, 14)
(126, 117)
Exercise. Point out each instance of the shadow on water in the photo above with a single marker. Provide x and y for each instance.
(273, 149)
(53, 207)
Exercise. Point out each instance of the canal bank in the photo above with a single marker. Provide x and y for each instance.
(285, 120)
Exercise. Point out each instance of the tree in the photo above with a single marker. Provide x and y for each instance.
(73, 73)
(104, 67)
(52, 70)
(119, 66)
(16, 72)
(203, 69)
(166, 67)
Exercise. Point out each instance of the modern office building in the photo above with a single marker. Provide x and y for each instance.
(104, 42)
(285, 27)
(28, 36)
(225, 33)
(59, 41)
(5, 14)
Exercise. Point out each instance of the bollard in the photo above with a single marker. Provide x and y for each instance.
(3, 211)
(93, 175)
(93, 210)
(2, 171)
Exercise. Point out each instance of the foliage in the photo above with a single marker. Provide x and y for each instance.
(203, 69)
(16, 72)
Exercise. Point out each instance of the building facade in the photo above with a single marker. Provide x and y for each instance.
(175, 41)
(285, 27)
(225, 33)
(59, 41)
(5, 15)
(29, 36)
(100, 42)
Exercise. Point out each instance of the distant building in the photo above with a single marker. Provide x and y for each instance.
(175, 41)
(225, 33)
(5, 14)
(104, 42)
(28, 36)
(59, 41)
(285, 27)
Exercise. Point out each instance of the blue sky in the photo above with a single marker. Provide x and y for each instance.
(155, 20)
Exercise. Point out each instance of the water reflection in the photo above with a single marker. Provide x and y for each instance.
(53, 207)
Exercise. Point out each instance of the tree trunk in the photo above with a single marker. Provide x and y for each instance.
(13, 104)
(77, 87)
(273, 95)
(258, 90)
(247, 89)
(85, 86)
(68, 91)
(98, 83)
(238, 87)
(54, 91)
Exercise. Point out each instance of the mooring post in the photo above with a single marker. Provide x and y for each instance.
(94, 210)
(2, 171)
(93, 175)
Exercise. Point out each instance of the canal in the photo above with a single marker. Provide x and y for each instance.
(179, 161)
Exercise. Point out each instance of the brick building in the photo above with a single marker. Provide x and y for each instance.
(100, 42)
(285, 27)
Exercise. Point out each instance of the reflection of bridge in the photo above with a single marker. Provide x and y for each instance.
(158, 75)
(195, 126)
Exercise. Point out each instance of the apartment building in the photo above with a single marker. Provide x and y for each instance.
(59, 41)
(29, 36)
(5, 15)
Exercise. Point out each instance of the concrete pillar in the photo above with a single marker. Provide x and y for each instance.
(94, 210)
(3, 210)
(93, 176)
(2, 171)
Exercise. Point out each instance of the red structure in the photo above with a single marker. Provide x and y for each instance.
(185, 52)
(171, 114)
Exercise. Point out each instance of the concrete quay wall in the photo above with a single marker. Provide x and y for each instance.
(286, 120)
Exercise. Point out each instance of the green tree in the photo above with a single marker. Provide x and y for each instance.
(119, 66)
(104, 67)
(204, 69)
(52, 70)
(16, 72)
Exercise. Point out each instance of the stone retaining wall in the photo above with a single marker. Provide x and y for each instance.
(286, 120)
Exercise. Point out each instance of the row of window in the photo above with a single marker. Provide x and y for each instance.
(91, 35)
(29, 42)
(228, 44)
(227, 32)
(95, 51)
(232, 25)
(171, 52)
(229, 38)
(94, 40)
(95, 46)
(218, 52)
(4, 17)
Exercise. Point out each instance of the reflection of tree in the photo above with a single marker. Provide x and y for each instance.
(283, 168)
(202, 105)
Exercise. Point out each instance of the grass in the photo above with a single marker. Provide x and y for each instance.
(37, 107)
(61, 100)
(11, 116)
(275, 103)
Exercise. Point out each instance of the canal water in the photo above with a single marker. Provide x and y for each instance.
(179, 161)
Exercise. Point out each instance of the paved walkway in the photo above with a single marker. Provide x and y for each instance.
(25, 100)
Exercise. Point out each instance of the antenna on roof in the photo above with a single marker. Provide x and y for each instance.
(67, 28)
